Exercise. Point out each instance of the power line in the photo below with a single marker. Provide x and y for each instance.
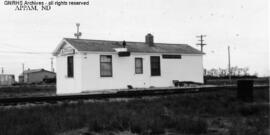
(14, 46)
(26, 50)
(20, 52)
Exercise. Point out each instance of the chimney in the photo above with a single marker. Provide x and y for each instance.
(149, 39)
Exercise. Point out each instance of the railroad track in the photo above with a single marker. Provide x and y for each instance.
(119, 94)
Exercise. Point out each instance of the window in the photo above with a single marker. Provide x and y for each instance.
(70, 66)
(155, 65)
(105, 65)
(138, 65)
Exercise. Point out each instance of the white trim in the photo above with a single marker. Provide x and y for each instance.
(137, 53)
(120, 49)
(60, 45)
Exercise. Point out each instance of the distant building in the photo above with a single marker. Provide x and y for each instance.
(35, 76)
(6, 79)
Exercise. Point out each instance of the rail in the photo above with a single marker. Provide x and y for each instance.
(132, 93)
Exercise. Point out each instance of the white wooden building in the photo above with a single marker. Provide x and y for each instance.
(86, 65)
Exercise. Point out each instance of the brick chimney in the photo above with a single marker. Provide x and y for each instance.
(149, 39)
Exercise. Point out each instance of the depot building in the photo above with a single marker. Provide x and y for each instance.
(90, 65)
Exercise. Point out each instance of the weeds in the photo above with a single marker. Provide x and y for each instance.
(181, 113)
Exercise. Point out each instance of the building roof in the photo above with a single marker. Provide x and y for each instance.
(142, 47)
(35, 70)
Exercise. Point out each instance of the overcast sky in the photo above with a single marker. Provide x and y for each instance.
(242, 24)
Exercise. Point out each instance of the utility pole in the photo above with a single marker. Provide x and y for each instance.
(23, 66)
(78, 34)
(52, 69)
(201, 41)
(22, 73)
(229, 63)
(2, 70)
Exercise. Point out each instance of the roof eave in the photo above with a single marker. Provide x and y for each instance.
(59, 46)
(144, 52)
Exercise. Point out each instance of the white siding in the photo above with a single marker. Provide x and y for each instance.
(64, 83)
(189, 68)
(87, 72)
(123, 73)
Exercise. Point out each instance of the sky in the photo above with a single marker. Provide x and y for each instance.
(30, 36)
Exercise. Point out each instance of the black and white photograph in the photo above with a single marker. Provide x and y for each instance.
(134, 67)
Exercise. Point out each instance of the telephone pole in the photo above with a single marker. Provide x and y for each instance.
(201, 41)
(229, 63)
(22, 67)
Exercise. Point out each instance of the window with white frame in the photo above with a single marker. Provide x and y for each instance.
(105, 65)
(138, 66)
(155, 65)
(70, 66)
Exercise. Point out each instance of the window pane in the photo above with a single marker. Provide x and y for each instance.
(138, 71)
(138, 62)
(106, 66)
(106, 58)
(106, 69)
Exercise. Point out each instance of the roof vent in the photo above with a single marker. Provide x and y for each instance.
(149, 39)
(78, 34)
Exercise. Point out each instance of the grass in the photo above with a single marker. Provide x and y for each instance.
(186, 113)
(219, 81)
(27, 90)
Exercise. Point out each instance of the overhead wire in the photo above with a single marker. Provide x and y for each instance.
(20, 52)
(13, 46)
(25, 50)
